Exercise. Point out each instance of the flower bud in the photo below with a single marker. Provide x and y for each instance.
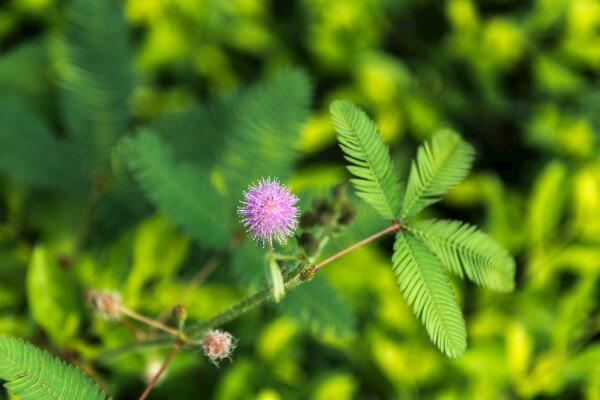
(346, 215)
(217, 345)
(308, 273)
(179, 312)
(339, 194)
(307, 220)
(108, 304)
(309, 244)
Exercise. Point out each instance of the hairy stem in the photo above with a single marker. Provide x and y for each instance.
(162, 369)
(291, 280)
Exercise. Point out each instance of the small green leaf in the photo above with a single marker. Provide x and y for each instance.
(426, 288)
(440, 165)
(377, 182)
(465, 250)
(52, 296)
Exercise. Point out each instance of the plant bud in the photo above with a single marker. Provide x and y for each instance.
(347, 215)
(317, 203)
(307, 220)
(308, 273)
(179, 312)
(309, 244)
(325, 214)
(108, 304)
(340, 194)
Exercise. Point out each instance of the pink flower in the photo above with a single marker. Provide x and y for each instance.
(268, 211)
(217, 345)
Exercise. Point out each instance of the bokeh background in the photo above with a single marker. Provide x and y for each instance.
(518, 79)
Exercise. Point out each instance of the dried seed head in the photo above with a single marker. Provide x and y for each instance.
(108, 304)
(217, 345)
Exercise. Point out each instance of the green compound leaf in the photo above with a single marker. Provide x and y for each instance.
(465, 250)
(30, 154)
(376, 180)
(97, 76)
(34, 374)
(440, 165)
(268, 120)
(178, 190)
(426, 288)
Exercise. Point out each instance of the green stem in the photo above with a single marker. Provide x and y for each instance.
(291, 280)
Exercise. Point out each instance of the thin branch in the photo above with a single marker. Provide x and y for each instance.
(162, 369)
(291, 281)
(203, 273)
(155, 324)
(394, 227)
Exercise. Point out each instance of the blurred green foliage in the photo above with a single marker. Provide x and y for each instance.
(518, 79)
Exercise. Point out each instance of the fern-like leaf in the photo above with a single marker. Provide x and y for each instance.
(97, 78)
(178, 190)
(440, 165)
(32, 155)
(201, 128)
(318, 306)
(268, 118)
(426, 288)
(34, 374)
(376, 181)
(464, 250)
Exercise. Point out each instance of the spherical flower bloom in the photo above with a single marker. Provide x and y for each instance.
(268, 211)
(217, 345)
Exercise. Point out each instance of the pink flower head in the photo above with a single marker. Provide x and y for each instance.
(217, 345)
(268, 211)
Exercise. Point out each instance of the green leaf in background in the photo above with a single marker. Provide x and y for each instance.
(248, 264)
(31, 154)
(426, 288)
(546, 203)
(377, 182)
(465, 250)
(269, 118)
(178, 190)
(317, 306)
(440, 165)
(97, 77)
(24, 74)
(52, 296)
(198, 134)
(158, 251)
(34, 374)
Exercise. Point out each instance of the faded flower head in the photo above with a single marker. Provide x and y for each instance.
(108, 304)
(268, 211)
(217, 345)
